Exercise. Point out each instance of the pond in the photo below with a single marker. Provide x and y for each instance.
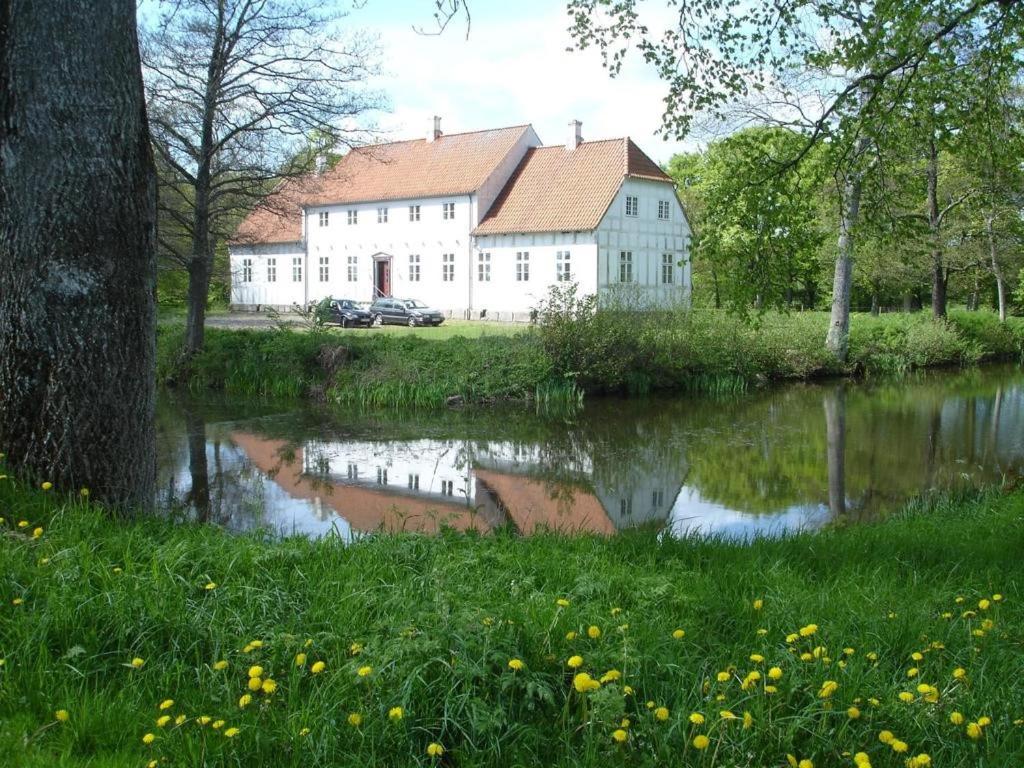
(789, 458)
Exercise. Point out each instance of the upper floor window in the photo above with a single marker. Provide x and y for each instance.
(353, 217)
(664, 210)
(353, 268)
(563, 267)
(325, 217)
(625, 266)
(414, 213)
(632, 205)
(483, 268)
(522, 267)
(246, 270)
(271, 270)
(448, 211)
(325, 268)
(414, 268)
(448, 267)
(296, 269)
(382, 215)
(668, 269)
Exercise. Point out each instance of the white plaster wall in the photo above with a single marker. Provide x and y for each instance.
(648, 237)
(283, 292)
(504, 294)
(399, 238)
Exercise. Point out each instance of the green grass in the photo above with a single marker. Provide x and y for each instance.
(438, 620)
(636, 353)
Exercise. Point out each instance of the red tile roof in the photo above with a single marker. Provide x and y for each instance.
(555, 189)
(454, 164)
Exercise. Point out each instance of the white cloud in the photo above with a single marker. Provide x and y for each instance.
(516, 72)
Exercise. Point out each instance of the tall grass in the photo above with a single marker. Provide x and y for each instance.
(435, 622)
(609, 351)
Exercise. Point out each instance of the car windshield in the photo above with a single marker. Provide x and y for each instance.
(346, 305)
(413, 304)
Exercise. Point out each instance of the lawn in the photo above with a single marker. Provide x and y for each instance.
(127, 643)
(470, 329)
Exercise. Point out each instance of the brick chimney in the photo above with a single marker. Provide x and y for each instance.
(434, 131)
(575, 138)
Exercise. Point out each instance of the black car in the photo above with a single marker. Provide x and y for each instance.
(404, 312)
(346, 313)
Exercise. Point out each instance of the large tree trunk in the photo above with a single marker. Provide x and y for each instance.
(838, 339)
(934, 225)
(997, 270)
(77, 254)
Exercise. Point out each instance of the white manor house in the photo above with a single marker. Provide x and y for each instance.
(477, 224)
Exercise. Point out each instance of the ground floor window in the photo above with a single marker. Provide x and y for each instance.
(271, 270)
(246, 270)
(353, 268)
(414, 268)
(483, 268)
(296, 269)
(448, 267)
(522, 267)
(563, 268)
(668, 269)
(625, 266)
(325, 268)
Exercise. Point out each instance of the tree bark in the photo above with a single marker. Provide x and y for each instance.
(997, 270)
(835, 448)
(838, 339)
(875, 308)
(77, 254)
(934, 225)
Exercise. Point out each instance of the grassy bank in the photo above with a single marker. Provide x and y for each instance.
(579, 353)
(107, 628)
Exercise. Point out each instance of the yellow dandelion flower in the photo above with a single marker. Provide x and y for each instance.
(166, 703)
(792, 638)
(304, 732)
(219, 665)
(758, 604)
(770, 690)
(230, 733)
(616, 611)
(983, 721)
(203, 720)
(593, 632)
(318, 667)
(723, 677)
(574, 662)
(906, 697)
(959, 673)
(678, 634)
(37, 533)
(725, 714)
(84, 493)
(661, 713)
(827, 689)
(809, 630)
(46, 485)
(997, 598)
(983, 604)
(256, 671)
(775, 673)
(917, 656)
(180, 719)
(434, 749)
(17, 601)
(853, 713)
(210, 585)
(217, 725)
(619, 735)
(255, 683)
(956, 718)
(700, 741)
(365, 671)
(761, 632)
(584, 683)
(748, 721)
(562, 602)
(300, 660)
(757, 658)
(395, 714)
(269, 686)
(872, 656)
(62, 715)
(570, 635)
(162, 721)
(149, 738)
(974, 731)
(912, 672)
(899, 747)
(886, 737)
(611, 676)
(627, 690)
(138, 663)
(696, 718)
(355, 719)
(515, 664)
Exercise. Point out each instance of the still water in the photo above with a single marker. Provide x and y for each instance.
(789, 458)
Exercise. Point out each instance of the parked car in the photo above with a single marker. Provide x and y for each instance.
(404, 312)
(344, 312)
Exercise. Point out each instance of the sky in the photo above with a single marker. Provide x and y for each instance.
(513, 69)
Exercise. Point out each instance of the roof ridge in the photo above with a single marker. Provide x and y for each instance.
(442, 136)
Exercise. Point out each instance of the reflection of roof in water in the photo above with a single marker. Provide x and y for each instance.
(365, 508)
(533, 504)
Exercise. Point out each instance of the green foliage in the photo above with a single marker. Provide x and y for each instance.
(437, 621)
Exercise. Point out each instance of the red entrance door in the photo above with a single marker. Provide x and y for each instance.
(382, 283)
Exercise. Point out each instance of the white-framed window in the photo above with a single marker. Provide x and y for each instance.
(352, 269)
(382, 215)
(382, 476)
(325, 218)
(325, 268)
(657, 499)
(668, 269)
(296, 269)
(414, 268)
(353, 216)
(625, 266)
(448, 211)
(271, 270)
(625, 507)
(632, 205)
(448, 267)
(448, 487)
(414, 213)
(353, 471)
(414, 482)
(664, 210)
(563, 267)
(246, 270)
(483, 268)
(522, 266)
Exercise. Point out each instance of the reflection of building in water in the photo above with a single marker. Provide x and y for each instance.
(426, 484)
